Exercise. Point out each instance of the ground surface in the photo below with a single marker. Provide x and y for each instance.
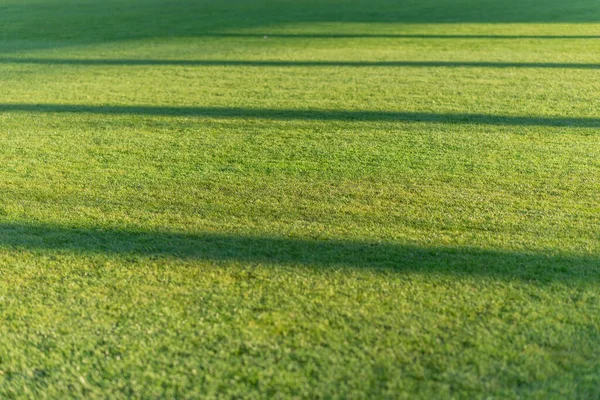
(272, 198)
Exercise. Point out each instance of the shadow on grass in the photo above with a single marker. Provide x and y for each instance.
(29, 24)
(306, 115)
(537, 267)
(296, 63)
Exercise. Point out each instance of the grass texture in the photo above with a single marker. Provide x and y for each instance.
(299, 199)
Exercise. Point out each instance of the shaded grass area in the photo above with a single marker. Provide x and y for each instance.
(45, 24)
(299, 63)
(307, 115)
(533, 267)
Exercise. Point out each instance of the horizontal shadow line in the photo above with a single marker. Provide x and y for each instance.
(295, 63)
(392, 36)
(313, 253)
(307, 115)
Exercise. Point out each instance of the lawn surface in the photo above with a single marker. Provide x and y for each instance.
(308, 198)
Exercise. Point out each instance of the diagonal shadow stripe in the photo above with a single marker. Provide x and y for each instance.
(535, 266)
(308, 115)
(294, 63)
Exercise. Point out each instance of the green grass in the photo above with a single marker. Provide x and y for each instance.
(379, 199)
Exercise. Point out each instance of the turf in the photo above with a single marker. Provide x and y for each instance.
(310, 199)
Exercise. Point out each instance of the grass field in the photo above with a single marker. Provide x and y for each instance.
(309, 199)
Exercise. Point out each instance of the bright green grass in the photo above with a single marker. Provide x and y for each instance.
(348, 208)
